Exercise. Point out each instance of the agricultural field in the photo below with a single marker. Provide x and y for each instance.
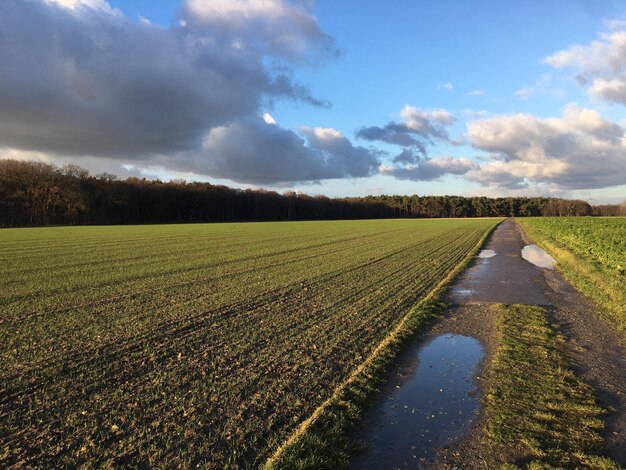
(207, 345)
(591, 252)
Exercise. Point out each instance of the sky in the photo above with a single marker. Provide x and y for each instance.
(342, 98)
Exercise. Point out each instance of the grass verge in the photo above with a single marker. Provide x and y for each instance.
(589, 277)
(538, 413)
(321, 441)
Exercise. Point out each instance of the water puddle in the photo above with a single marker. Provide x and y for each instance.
(463, 292)
(486, 254)
(538, 257)
(432, 409)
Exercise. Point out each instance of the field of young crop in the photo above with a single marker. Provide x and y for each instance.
(197, 344)
(591, 252)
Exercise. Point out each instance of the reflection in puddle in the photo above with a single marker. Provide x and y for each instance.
(538, 257)
(463, 292)
(432, 409)
(486, 254)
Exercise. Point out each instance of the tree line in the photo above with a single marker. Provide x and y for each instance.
(610, 210)
(37, 193)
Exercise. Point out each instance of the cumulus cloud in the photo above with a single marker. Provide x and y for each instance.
(81, 80)
(257, 152)
(580, 150)
(284, 28)
(340, 155)
(419, 129)
(600, 65)
(428, 169)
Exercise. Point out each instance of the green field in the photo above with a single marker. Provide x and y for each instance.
(591, 253)
(207, 344)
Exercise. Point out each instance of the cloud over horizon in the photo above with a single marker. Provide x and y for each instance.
(256, 151)
(136, 92)
(580, 150)
(82, 82)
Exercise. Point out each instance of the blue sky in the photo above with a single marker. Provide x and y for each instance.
(483, 63)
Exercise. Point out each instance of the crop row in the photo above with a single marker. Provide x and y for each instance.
(210, 352)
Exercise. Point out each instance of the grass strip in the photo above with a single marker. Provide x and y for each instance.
(539, 415)
(593, 279)
(321, 441)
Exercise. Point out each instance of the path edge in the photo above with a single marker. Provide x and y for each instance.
(569, 269)
(343, 407)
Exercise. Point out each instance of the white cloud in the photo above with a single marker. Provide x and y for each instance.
(445, 86)
(322, 133)
(579, 150)
(247, 9)
(599, 56)
(286, 28)
(268, 118)
(74, 4)
(16, 154)
(600, 65)
(476, 93)
(611, 90)
(420, 120)
(545, 190)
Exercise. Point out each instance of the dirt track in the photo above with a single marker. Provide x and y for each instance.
(592, 347)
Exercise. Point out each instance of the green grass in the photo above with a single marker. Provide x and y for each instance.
(198, 344)
(538, 413)
(591, 253)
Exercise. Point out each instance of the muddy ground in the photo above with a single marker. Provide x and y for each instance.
(592, 347)
(468, 320)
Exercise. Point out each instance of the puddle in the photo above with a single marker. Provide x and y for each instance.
(486, 254)
(463, 292)
(432, 409)
(538, 257)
